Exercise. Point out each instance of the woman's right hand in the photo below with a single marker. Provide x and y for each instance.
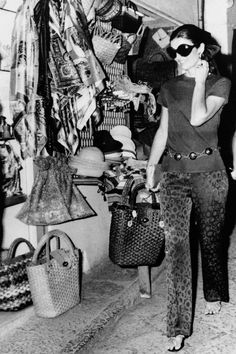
(233, 174)
(202, 71)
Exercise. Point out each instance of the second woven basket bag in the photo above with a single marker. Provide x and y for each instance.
(55, 279)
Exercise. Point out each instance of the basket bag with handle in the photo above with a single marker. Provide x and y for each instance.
(14, 285)
(106, 43)
(55, 279)
(136, 235)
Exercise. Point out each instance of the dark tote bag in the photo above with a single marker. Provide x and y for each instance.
(136, 235)
(128, 21)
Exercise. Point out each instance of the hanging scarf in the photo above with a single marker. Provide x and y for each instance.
(76, 73)
(24, 82)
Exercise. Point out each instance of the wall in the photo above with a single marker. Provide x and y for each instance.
(185, 11)
(91, 235)
(217, 22)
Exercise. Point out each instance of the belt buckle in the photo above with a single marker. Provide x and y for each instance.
(192, 155)
(208, 151)
(177, 156)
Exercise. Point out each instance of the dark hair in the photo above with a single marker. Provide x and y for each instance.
(193, 33)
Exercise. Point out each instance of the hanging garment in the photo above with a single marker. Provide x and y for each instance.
(10, 170)
(54, 199)
(24, 79)
(76, 73)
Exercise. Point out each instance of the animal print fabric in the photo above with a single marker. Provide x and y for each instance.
(204, 193)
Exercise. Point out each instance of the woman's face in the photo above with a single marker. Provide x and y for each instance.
(190, 54)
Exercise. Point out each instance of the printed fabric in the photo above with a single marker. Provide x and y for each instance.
(24, 78)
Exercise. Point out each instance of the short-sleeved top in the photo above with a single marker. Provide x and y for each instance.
(176, 95)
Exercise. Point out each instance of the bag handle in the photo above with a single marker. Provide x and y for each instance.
(141, 30)
(133, 196)
(15, 244)
(131, 5)
(112, 36)
(46, 238)
(126, 191)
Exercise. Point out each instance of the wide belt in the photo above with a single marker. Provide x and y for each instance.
(193, 155)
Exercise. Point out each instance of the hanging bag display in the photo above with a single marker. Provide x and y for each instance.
(134, 50)
(136, 235)
(106, 43)
(161, 37)
(14, 285)
(54, 198)
(108, 9)
(55, 279)
(128, 21)
(124, 50)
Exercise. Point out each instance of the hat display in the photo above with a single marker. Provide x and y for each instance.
(108, 10)
(123, 134)
(121, 130)
(128, 144)
(90, 162)
(129, 154)
(113, 157)
(105, 142)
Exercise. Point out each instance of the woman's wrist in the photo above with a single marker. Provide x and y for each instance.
(151, 165)
(233, 172)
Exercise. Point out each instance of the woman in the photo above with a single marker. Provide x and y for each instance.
(194, 177)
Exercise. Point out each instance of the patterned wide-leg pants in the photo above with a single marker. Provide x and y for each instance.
(206, 193)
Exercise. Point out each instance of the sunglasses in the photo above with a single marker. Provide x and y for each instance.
(183, 49)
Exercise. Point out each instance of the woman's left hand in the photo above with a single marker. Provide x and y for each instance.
(202, 71)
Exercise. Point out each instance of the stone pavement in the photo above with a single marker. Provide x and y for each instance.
(106, 293)
(141, 330)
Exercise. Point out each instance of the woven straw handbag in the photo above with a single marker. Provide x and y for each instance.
(55, 279)
(136, 233)
(106, 44)
(14, 286)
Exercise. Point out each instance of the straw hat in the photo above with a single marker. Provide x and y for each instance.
(108, 10)
(90, 162)
(128, 144)
(121, 130)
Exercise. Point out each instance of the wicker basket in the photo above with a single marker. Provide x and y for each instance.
(55, 280)
(106, 44)
(15, 290)
(136, 233)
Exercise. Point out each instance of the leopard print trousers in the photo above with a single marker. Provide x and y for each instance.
(204, 193)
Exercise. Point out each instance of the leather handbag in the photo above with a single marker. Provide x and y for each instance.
(14, 285)
(136, 233)
(55, 279)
